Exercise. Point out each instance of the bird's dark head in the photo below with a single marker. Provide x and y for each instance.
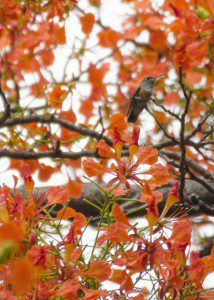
(147, 83)
(149, 79)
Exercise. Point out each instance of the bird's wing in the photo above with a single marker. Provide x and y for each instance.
(133, 102)
(137, 93)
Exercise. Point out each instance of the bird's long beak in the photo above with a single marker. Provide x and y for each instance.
(160, 75)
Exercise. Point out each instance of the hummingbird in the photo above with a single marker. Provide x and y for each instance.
(140, 98)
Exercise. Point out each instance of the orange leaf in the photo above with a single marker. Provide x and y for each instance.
(69, 249)
(100, 270)
(11, 231)
(160, 175)
(192, 78)
(108, 38)
(66, 213)
(197, 272)
(118, 147)
(153, 22)
(58, 34)
(152, 219)
(105, 150)
(152, 213)
(68, 115)
(74, 188)
(45, 172)
(79, 222)
(181, 231)
(90, 294)
(57, 194)
(87, 22)
(96, 75)
(68, 289)
(161, 116)
(22, 275)
(117, 233)
(56, 97)
(158, 40)
(147, 155)
(4, 215)
(121, 277)
(119, 215)
(118, 120)
(171, 98)
(47, 57)
(92, 168)
(132, 150)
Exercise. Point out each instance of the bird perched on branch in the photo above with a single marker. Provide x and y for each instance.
(141, 97)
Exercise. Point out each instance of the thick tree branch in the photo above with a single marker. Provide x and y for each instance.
(182, 167)
(197, 200)
(57, 153)
(6, 113)
(52, 119)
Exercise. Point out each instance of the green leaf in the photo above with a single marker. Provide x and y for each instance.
(202, 13)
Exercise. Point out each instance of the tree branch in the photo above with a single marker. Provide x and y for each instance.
(57, 153)
(133, 208)
(182, 167)
(52, 119)
(194, 165)
(6, 113)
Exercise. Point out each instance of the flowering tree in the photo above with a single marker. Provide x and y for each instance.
(160, 167)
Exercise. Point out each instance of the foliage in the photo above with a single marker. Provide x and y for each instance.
(43, 102)
(41, 260)
(75, 116)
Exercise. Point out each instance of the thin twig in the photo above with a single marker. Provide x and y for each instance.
(163, 129)
(200, 180)
(165, 109)
(193, 164)
(199, 127)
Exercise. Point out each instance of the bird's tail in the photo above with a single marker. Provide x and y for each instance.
(132, 116)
